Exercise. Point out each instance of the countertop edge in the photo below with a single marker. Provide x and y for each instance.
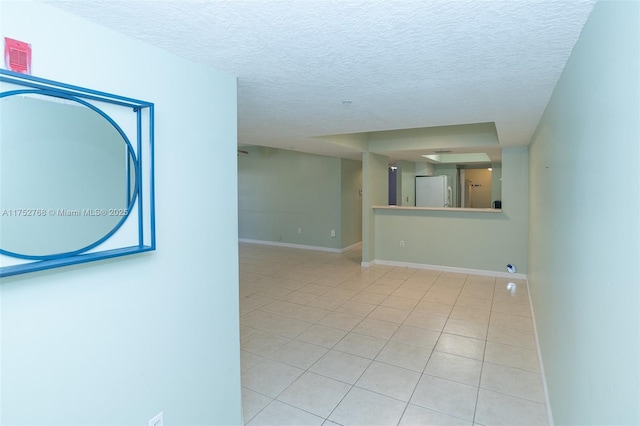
(440, 209)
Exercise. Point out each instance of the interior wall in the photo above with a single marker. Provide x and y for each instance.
(289, 197)
(584, 227)
(407, 175)
(117, 341)
(375, 189)
(459, 239)
(480, 196)
(351, 202)
(451, 171)
(496, 182)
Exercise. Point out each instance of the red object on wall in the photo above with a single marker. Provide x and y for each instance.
(17, 55)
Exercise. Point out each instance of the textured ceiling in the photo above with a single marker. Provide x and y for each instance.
(401, 64)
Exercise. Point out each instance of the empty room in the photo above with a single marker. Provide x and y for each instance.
(330, 212)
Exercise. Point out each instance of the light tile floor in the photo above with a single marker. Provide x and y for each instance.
(327, 342)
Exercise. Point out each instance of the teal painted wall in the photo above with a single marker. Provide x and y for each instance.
(474, 240)
(351, 202)
(117, 341)
(281, 191)
(584, 225)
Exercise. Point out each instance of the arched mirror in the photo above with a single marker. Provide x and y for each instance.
(73, 183)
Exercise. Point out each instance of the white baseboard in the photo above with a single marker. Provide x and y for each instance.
(445, 269)
(540, 363)
(298, 246)
(351, 247)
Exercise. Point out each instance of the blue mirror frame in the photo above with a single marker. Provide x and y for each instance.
(135, 231)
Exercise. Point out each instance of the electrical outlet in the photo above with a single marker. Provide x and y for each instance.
(333, 233)
(157, 420)
(401, 243)
(299, 230)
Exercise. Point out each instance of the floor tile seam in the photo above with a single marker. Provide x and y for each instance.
(280, 317)
(441, 412)
(476, 297)
(468, 321)
(260, 355)
(348, 331)
(398, 366)
(512, 344)
(388, 340)
(515, 315)
(516, 368)
(280, 300)
(524, 306)
(434, 301)
(359, 355)
(442, 289)
(270, 331)
(259, 411)
(382, 394)
(302, 409)
(458, 355)
(502, 296)
(472, 309)
(512, 328)
(484, 353)
(405, 409)
(424, 328)
(512, 395)
(429, 359)
(509, 344)
(424, 373)
(337, 405)
(333, 378)
(258, 392)
(288, 364)
(343, 352)
(430, 313)
(416, 346)
(277, 362)
(408, 325)
(350, 384)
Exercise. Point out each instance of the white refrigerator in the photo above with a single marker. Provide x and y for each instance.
(433, 191)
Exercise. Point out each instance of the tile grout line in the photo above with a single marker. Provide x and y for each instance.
(347, 277)
(475, 410)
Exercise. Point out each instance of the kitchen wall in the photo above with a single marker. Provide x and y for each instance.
(480, 195)
(496, 182)
(407, 178)
(584, 227)
(117, 341)
(459, 239)
(451, 171)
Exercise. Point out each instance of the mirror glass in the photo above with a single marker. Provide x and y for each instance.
(67, 176)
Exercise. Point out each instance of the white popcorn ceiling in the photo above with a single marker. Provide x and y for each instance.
(402, 64)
